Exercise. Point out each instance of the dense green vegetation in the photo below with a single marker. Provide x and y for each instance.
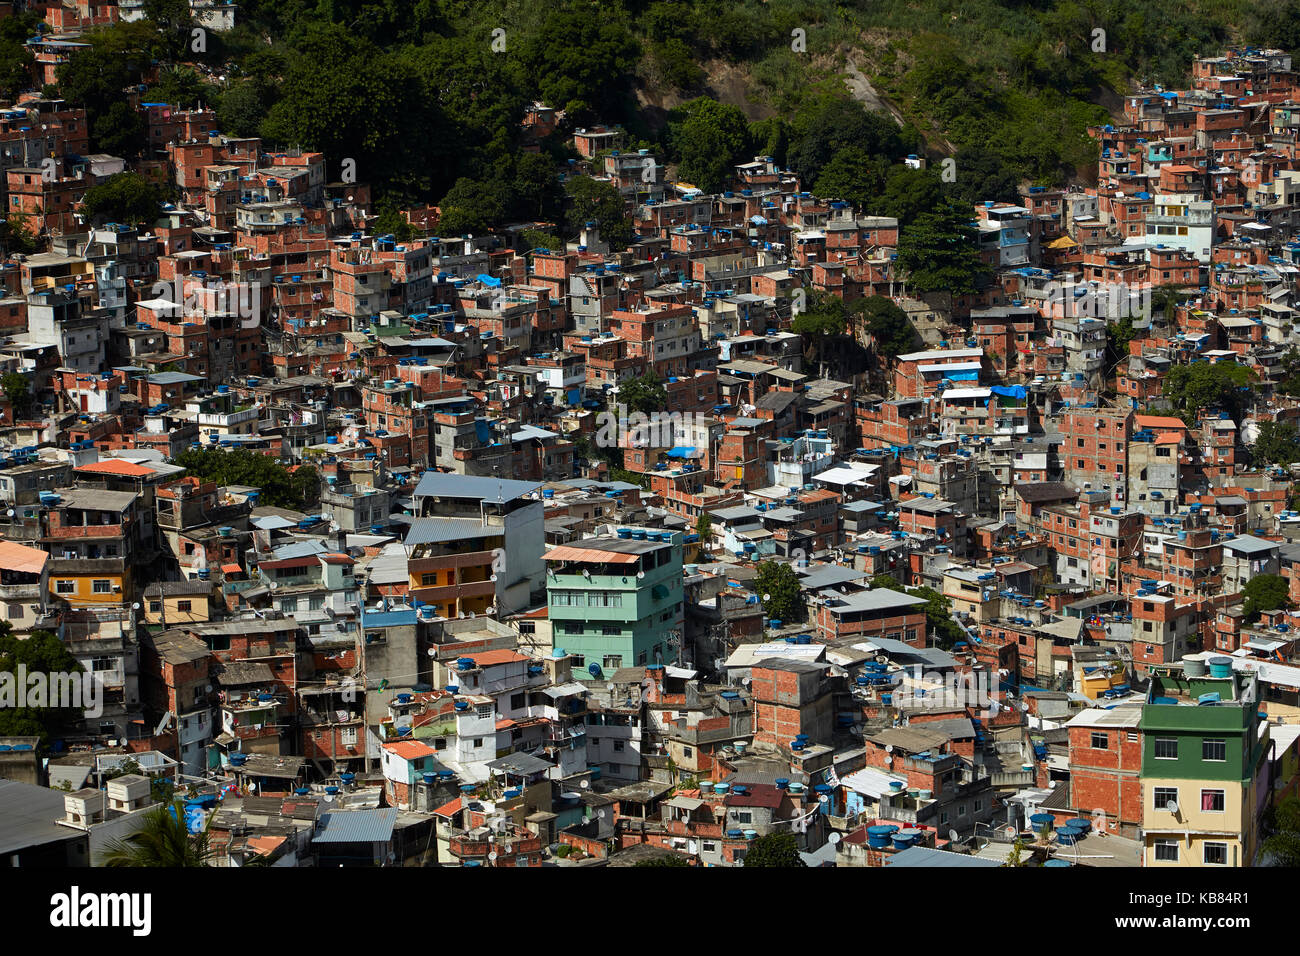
(427, 97)
(1265, 592)
(1203, 386)
(279, 486)
(779, 848)
(43, 653)
(778, 584)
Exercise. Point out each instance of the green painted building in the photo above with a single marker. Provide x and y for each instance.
(1205, 769)
(616, 601)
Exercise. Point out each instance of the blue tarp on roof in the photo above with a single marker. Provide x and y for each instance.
(1010, 391)
(488, 280)
(682, 451)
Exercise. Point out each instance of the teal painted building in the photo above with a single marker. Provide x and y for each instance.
(616, 601)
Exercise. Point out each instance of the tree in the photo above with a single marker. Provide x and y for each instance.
(120, 131)
(242, 106)
(779, 586)
(1265, 592)
(124, 197)
(938, 611)
(840, 123)
(17, 390)
(531, 239)
(472, 206)
(582, 60)
(982, 175)
(774, 849)
(667, 859)
(1278, 443)
(389, 221)
(350, 99)
(939, 253)
(913, 193)
(598, 202)
(161, 840)
(645, 394)
(1282, 848)
(824, 318)
(852, 175)
(1208, 385)
(1014, 856)
(40, 653)
(536, 187)
(182, 86)
(704, 527)
(677, 64)
(278, 485)
(708, 138)
(94, 77)
(888, 324)
(1119, 333)
(16, 235)
(15, 68)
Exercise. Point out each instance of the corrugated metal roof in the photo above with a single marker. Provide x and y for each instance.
(356, 826)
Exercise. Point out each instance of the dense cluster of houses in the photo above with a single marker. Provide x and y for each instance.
(483, 644)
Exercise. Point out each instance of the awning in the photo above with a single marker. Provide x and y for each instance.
(567, 552)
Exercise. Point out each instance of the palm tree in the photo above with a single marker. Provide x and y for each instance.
(162, 839)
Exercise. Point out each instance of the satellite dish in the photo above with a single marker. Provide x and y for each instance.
(600, 814)
(432, 652)
(492, 856)
(584, 784)
(1172, 806)
(953, 837)
(508, 848)
(767, 597)
(640, 575)
(889, 748)
(833, 839)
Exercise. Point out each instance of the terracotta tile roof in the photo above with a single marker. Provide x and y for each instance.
(116, 466)
(410, 749)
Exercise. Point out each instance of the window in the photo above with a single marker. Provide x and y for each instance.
(1213, 801)
(348, 736)
(483, 710)
(1100, 741)
(709, 847)
(1166, 850)
(103, 587)
(1166, 748)
(65, 587)
(183, 606)
(744, 816)
(1214, 749)
(688, 752)
(516, 701)
(612, 662)
(15, 611)
(1161, 797)
(478, 742)
(1215, 854)
(619, 746)
(1132, 737)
